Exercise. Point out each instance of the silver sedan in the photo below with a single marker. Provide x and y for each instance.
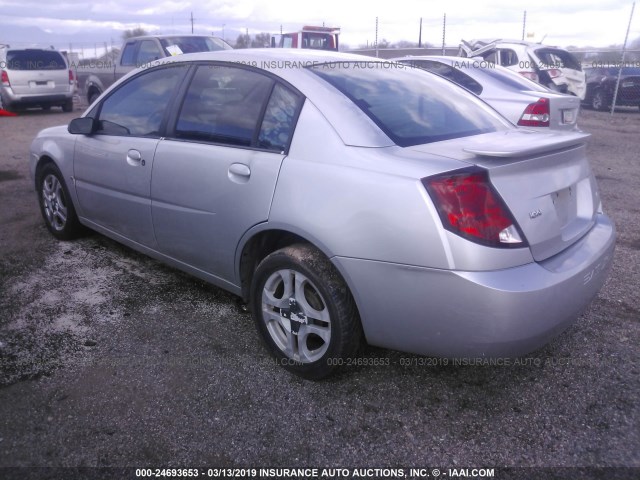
(522, 101)
(346, 199)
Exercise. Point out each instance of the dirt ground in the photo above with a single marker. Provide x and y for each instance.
(109, 358)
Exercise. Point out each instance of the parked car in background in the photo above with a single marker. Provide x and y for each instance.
(35, 77)
(95, 76)
(347, 198)
(522, 101)
(601, 86)
(552, 67)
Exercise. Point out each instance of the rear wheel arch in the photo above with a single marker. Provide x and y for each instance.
(257, 248)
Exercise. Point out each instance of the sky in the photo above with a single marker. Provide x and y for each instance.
(84, 24)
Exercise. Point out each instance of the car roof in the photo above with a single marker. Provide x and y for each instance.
(354, 127)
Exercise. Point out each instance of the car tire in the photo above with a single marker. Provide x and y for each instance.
(56, 206)
(598, 101)
(304, 311)
(68, 107)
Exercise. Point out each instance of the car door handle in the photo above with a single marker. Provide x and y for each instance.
(134, 158)
(239, 172)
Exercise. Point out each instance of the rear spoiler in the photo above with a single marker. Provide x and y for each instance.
(513, 144)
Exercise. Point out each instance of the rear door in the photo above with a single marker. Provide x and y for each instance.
(112, 168)
(214, 175)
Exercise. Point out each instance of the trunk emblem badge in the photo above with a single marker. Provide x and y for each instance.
(535, 214)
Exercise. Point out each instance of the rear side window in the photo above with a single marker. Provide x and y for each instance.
(35, 60)
(508, 57)
(279, 119)
(137, 107)
(128, 58)
(223, 105)
(410, 105)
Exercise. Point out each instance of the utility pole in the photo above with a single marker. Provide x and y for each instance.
(191, 22)
(444, 32)
(524, 24)
(420, 35)
(624, 53)
(376, 37)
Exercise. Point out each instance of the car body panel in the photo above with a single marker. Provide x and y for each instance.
(205, 197)
(345, 187)
(500, 313)
(503, 89)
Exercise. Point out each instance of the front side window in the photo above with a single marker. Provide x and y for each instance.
(137, 107)
(223, 105)
(409, 105)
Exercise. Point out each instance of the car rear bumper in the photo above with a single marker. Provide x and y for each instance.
(459, 314)
(35, 99)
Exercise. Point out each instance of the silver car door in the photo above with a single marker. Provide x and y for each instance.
(215, 177)
(112, 167)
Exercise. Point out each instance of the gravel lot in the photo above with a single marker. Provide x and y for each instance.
(109, 358)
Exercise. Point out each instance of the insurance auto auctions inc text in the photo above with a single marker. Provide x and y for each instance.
(375, 472)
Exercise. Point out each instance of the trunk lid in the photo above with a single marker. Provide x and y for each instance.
(543, 177)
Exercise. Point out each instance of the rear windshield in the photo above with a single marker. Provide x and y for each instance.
(35, 60)
(410, 105)
(186, 44)
(556, 58)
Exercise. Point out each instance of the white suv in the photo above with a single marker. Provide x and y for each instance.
(552, 67)
(34, 77)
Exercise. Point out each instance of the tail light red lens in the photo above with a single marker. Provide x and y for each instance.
(469, 206)
(554, 73)
(5, 79)
(536, 114)
(71, 77)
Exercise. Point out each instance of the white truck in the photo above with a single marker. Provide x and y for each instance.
(317, 38)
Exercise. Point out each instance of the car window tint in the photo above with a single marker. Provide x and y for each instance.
(128, 55)
(35, 60)
(451, 73)
(148, 52)
(508, 57)
(137, 107)
(223, 105)
(279, 119)
(409, 105)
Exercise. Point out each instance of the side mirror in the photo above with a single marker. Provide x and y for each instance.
(82, 126)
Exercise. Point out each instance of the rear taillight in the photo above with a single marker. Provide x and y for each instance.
(5, 79)
(536, 114)
(530, 75)
(71, 78)
(469, 206)
(554, 73)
